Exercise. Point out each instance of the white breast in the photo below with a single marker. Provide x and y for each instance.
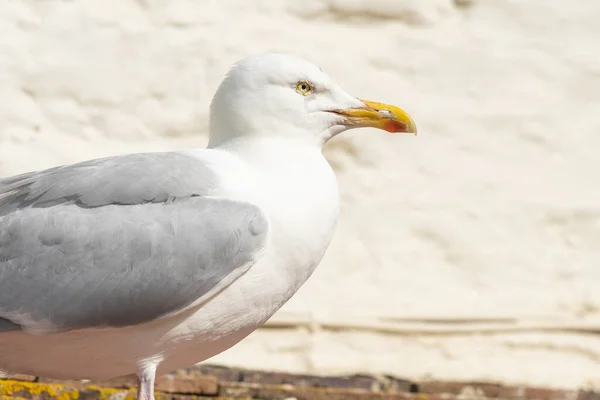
(298, 190)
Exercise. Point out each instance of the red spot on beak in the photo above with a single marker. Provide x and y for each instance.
(394, 126)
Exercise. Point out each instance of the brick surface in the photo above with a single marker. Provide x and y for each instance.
(206, 385)
(365, 382)
(214, 382)
(286, 392)
(495, 390)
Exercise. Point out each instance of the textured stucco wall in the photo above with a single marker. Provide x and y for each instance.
(493, 212)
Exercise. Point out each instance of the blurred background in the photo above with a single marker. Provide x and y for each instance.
(469, 252)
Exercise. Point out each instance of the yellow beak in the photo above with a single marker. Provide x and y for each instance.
(381, 116)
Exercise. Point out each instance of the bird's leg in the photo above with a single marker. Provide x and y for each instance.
(146, 377)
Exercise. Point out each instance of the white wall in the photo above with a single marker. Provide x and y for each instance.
(490, 217)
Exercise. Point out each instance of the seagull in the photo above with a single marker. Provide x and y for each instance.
(149, 262)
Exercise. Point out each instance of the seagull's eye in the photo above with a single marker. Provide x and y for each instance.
(304, 88)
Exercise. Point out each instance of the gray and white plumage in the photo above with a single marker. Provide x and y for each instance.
(172, 246)
(145, 263)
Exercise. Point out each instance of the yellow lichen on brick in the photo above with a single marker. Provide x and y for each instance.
(9, 387)
(68, 395)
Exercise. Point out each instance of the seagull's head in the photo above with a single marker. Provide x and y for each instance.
(278, 94)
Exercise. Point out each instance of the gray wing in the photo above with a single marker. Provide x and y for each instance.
(128, 180)
(121, 247)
